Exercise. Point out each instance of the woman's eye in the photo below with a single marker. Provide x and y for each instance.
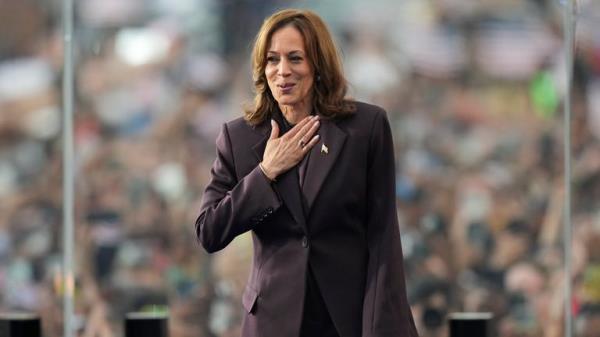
(272, 59)
(296, 59)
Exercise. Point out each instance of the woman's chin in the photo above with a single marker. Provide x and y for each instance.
(287, 103)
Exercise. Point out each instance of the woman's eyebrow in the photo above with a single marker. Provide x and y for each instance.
(289, 53)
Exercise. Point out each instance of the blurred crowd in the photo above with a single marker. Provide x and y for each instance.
(474, 93)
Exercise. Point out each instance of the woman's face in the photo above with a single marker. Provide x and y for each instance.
(288, 70)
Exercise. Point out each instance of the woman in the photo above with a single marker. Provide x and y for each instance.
(311, 174)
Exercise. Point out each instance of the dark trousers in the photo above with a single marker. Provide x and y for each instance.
(316, 321)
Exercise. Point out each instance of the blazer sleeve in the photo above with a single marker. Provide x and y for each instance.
(386, 311)
(230, 207)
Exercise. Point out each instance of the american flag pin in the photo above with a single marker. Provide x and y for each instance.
(324, 149)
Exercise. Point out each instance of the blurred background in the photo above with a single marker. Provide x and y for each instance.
(474, 92)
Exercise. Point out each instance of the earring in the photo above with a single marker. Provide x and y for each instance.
(318, 78)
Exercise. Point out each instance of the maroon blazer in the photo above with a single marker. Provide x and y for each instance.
(348, 231)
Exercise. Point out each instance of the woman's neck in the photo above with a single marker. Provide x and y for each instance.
(293, 115)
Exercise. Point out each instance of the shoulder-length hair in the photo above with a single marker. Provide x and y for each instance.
(330, 85)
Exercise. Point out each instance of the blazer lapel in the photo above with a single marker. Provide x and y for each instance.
(322, 157)
(289, 190)
(286, 184)
(259, 148)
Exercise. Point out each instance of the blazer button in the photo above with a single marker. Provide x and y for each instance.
(304, 241)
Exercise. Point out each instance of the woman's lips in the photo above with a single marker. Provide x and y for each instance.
(286, 88)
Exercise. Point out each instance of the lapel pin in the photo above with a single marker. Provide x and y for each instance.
(324, 149)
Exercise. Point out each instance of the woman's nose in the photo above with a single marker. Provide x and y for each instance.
(284, 68)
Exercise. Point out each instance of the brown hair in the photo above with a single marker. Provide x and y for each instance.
(330, 86)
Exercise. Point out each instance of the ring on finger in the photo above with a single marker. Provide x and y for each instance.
(302, 143)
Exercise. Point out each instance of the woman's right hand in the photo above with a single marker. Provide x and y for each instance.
(283, 153)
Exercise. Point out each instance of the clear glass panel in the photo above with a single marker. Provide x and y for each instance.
(30, 161)
(473, 90)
